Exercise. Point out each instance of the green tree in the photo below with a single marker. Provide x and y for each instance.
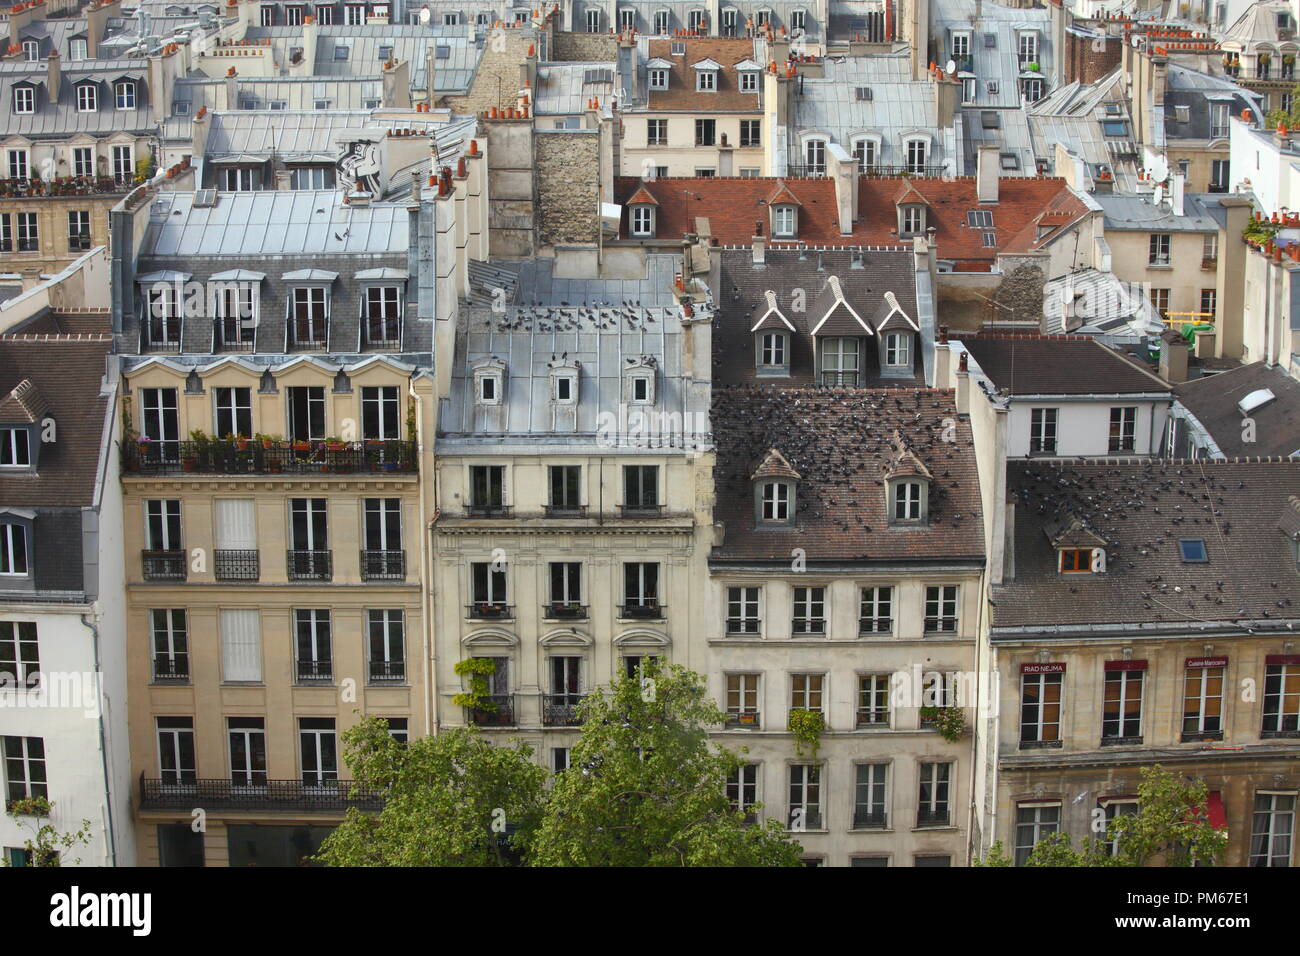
(46, 845)
(1171, 828)
(450, 800)
(646, 788)
(1291, 117)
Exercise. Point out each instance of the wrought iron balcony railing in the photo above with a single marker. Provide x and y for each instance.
(743, 719)
(864, 819)
(310, 565)
(315, 672)
(246, 456)
(163, 565)
(289, 796)
(648, 608)
(497, 711)
(560, 710)
(926, 817)
(236, 565)
(383, 565)
(564, 611)
(489, 610)
(387, 672)
(744, 625)
(809, 625)
(171, 670)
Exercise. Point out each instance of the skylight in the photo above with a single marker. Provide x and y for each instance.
(1193, 550)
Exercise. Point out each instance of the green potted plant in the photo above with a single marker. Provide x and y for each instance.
(30, 807)
(478, 698)
(807, 727)
(949, 721)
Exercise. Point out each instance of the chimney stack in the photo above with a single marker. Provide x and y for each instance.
(53, 76)
(986, 173)
(1173, 357)
(760, 250)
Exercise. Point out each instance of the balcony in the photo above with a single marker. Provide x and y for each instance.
(560, 710)
(877, 171)
(171, 670)
(743, 626)
(743, 720)
(387, 672)
(643, 609)
(383, 565)
(309, 565)
(244, 456)
(808, 626)
(289, 796)
(869, 819)
(564, 611)
(163, 565)
(489, 610)
(67, 186)
(315, 672)
(236, 565)
(497, 711)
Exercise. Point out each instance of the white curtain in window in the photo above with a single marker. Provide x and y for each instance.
(236, 525)
(241, 645)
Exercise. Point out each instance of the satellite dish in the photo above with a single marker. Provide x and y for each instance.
(950, 67)
(425, 15)
(1159, 169)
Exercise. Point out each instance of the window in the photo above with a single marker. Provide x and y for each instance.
(705, 132)
(17, 164)
(241, 645)
(1033, 822)
(932, 809)
(657, 132)
(815, 157)
(960, 45)
(805, 797)
(324, 14)
(318, 747)
(1075, 560)
(77, 49)
(387, 645)
(774, 502)
(641, 387)
(742, 788)
(750, 130)
(14, 450)
(29, 239)
(762, 18)
(749, 84)
(78, 230)
(876, 611)
(1122, 705)
(123, 164)
(1114, 127)
(1203, 700)
(640, 487)
(705, 173)
(907, 505)
(658, 81)
(487, 489)
(806, 692)
(809, 611)
(83, 161)
(742, 611)
(1281, 698)
(384, 53)
(783, 221)
(640, 589)
(1218, 175)
(898, 350)
(310, 315)
(742, 697)
(593, 21)
(873, 700)
(171, 657)
(124, 94)
(163, 524)
(24, 99)
(661, 22)
(772, 351)
(234, 412)
(20, 661)
(311, 559)
(840, 361)
(268, 15)
(384, 558)
(1123, 428)
(313, 645)
(237, 179)
(913, 220)
(941, 608)
(87, 98)
(1158, 249)
(643, 220)
(1042, 431)
(312, 177)
(1027, 49)
(559, 759)
(1192, 550)
(566, 588)
(1040, 705)
(1009, 161)
(306, 406)
(293, 16)
(626, 18)
(1209, 303)
(176, 767)
(706, 81)
(1271, 829)
(917, 153)
(564, 387)
(566, 488)
(383, 328)
(246, 740)
(865, 151)
(1160, 301)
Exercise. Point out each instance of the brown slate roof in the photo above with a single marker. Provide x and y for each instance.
(68, 371)
(1057, 365)
(1142, 508)
(681, 93)
(838, 440)
(1213, 400)
(24, 404)
(774, 465)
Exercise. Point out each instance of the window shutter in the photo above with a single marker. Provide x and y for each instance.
(236, 525)
(241, 645)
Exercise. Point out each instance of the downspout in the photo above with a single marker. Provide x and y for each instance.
(974, 764)
(103, 744)
(426, 599)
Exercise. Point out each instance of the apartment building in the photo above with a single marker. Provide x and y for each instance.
(572, 520)
(63, 653)
(1146, 616)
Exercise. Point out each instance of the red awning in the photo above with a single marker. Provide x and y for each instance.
(1216, 812)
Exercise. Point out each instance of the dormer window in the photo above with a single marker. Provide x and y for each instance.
(489, 382)
(907, 501)
(911, 220)
(1075, 560)
(77, 49)
(87, 98)
(748, 81)
(564, 384)
(15, 446)
(124, 94)
(784, 221)
(774, 490)
(776, 497)
(772, 340)
(639, 381)
(706, 81)
(14, 558)
(898, 350)
(908, 485)
(31, 50)
(24, 99)
(643, 221)
(642, 389)
(658, 79)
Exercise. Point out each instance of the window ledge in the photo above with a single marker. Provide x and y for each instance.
(1041, 744)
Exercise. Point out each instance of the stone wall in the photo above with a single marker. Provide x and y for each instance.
(1021, 290)
(1087, 59)
(584, 47)
(568, 186)
(499, 77)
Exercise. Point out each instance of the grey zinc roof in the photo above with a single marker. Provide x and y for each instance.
(597, 328)
(1213, 399)
(563, 87)
(292, 135)
(898, 105)
(1011, 136)
(1198, 91)
(1258, 23)
(998, 63)
(63, 118)
(1138, 214)
(273, 223)
(1073, 114)
(1099, 304)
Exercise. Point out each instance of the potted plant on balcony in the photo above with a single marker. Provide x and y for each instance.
(30, 807)
(334, 443)
(949, 721)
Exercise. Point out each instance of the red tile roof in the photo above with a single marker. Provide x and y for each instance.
(732, 206)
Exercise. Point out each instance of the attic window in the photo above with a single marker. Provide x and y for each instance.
(15, 447)
(639, 382)
(990, 119)
(992, 87)
(1076, 561)
(990, 41)
(658, 79)
(784, 219)
(907, 501)
(679, 49)
(980, 218)
(642, 389)
(489, 382)
(1009, 161)
(442, 53)
(1114, 127)
(862, 94)
(597, 76)
(775, 502)
(340, 53)
(385, 52)
(1193, 550)
(564, 387)
(489, 389)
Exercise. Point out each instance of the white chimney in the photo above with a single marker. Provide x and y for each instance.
(986, 173)
(1176, 194)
